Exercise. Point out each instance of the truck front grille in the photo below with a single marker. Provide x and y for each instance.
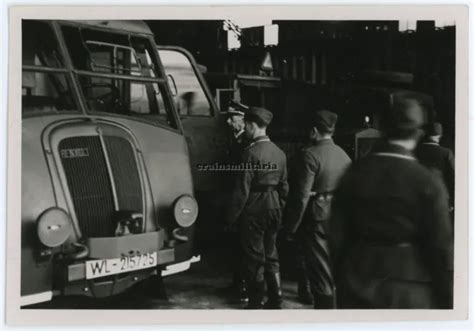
(89, 181)
(124, 168)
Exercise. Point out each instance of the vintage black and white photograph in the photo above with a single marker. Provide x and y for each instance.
(238, 163)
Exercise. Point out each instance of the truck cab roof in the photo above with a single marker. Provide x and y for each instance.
(133, 26)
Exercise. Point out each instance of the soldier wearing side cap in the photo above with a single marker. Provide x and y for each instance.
(257, 201)
(391, 236)
(318, 171)
(439, 159)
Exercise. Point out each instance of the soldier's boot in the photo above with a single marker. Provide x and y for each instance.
(256, 291)
(274, 291)
(304, 291)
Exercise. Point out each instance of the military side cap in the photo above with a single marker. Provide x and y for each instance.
(434, 129)
(258, 115)
(236, 108)
(325, 120)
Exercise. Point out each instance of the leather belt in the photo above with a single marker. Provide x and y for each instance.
(263, 188)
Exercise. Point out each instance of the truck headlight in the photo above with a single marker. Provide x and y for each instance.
(54, 227)
(185, 210)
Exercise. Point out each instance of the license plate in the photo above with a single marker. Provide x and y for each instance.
(106, 267)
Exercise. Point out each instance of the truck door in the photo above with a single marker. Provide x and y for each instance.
(205, 131)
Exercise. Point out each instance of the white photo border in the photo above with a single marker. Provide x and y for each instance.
(17, 316)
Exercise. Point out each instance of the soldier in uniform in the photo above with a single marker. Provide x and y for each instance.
(318, 171)
(257, 201)
(438, 159)
(391, 236)
(235, 120)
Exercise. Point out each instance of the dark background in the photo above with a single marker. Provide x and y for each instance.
(322, 60)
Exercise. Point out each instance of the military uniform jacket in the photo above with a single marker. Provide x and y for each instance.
(265, 187)
(390, 221)
(439, 160)
(317, 172)
(234, 157)
(236, 148)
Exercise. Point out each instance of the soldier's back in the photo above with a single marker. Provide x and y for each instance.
(388, 195)
(270, 159)
(268, 165)
(331, 162)
(389, 203)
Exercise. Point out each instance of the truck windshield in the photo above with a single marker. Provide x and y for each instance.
(45, 85)
(117, 74)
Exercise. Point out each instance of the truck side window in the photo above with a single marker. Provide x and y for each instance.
(190, 99)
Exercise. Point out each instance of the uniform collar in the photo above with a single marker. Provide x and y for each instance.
(326, 141)
(430, 143)
(394, 150)
(258, 140)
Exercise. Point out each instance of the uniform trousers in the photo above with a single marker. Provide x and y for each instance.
(258, 236)
(316, 258)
